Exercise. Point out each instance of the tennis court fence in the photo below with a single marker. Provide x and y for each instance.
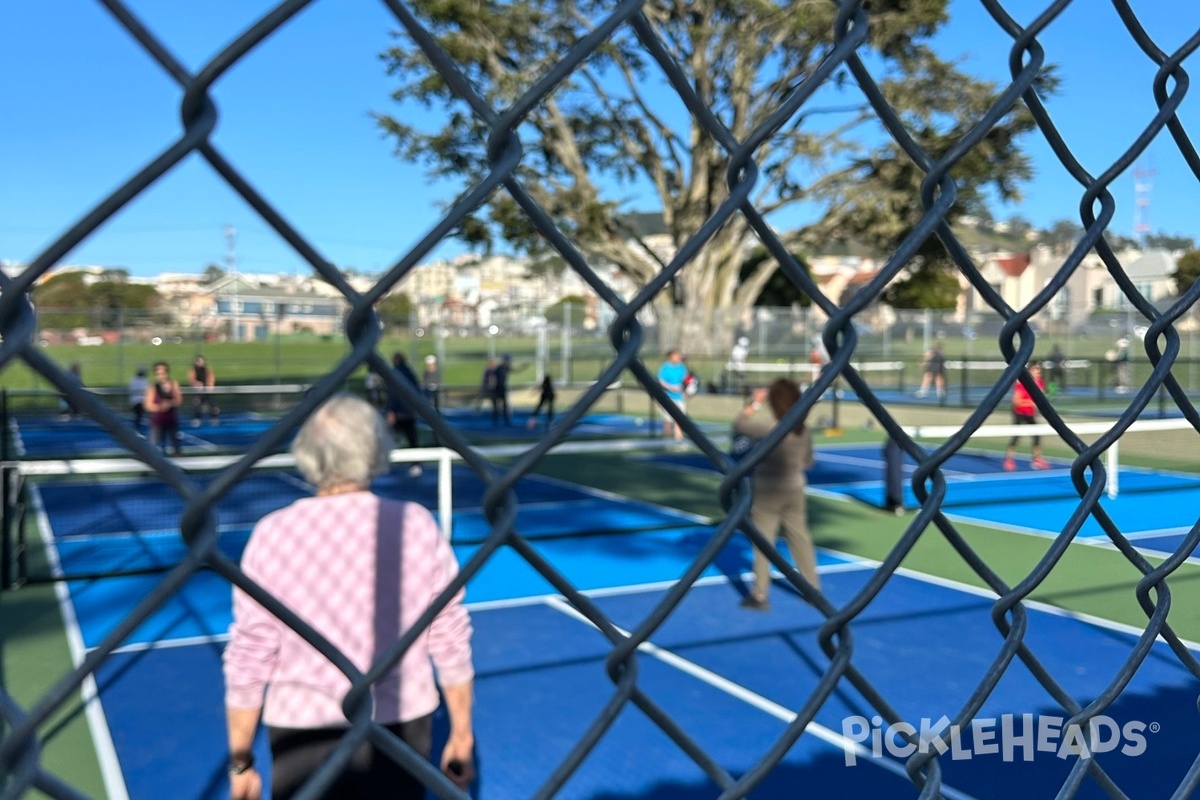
(728, 204)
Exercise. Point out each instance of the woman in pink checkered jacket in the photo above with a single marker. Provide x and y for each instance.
(360, 569)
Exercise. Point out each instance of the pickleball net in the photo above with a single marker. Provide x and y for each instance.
(1150, 455)
(96, 518)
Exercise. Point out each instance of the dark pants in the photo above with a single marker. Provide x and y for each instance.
(406, 427)
(548, 402)
(298, 753)
(163, 432)
(500, 407)
(1024, 419)
(205, 405)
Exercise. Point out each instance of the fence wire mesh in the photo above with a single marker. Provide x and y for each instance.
(21, 746)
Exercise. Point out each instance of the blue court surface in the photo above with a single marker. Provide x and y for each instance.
(731, 678)
(480, 424)
(235, 432)
(1154, 509)
(82, 438)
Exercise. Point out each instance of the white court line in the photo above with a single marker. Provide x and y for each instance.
(196, 441)
(1090, 540)
(1036, 605)
(514, 602)
(615, 497)
(739, 692)
(880, 463)
(106, 751)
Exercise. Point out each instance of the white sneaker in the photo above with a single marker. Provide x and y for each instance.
(415, 471)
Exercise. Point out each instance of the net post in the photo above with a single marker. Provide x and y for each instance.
(445, 493)
(6, 521)
(964, 382)
(5, 431)
(1113, 469)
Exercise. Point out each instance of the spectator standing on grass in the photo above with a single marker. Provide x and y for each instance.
(735, 376)
(1025, 413)
(1121, 366)
(137, 397)
(778, 483)
(203, 379)
(671, 377)
(163, 399)
(431, 381)
(399, 415)
(361, 570)
(934, 372)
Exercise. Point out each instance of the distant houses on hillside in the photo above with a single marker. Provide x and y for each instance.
(472, 293)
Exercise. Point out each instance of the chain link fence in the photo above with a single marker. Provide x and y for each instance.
(842, 334)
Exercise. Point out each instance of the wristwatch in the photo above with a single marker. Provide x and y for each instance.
(241, 762)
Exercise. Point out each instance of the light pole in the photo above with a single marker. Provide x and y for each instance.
(231, 263)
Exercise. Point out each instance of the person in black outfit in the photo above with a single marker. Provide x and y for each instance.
(399, 415)
(500, 409)
(203, 379)
(545, 399)
(137, 397)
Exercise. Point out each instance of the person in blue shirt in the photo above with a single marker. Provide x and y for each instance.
(671, 376)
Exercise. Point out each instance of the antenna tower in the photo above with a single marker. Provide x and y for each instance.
(231, 263)
(1141, 203)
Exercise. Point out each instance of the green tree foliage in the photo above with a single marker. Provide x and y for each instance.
(394, 309)
(1062, 235)
(931, 284)
(611, 130)
(555, 313)
(106, 301)
(212, 274)
(779, 290)
(1187, 271)
(1166, 241)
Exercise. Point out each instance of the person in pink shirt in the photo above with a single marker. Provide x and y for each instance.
(361, 570)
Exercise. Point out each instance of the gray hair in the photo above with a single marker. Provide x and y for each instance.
(345, 441)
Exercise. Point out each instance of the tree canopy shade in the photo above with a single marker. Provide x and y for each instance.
(1187, 271)
(394, 309)
(615, 134)
(81, 300)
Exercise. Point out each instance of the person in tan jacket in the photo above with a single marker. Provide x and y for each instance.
(778, 483)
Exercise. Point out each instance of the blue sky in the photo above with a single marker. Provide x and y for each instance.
(84, 108)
